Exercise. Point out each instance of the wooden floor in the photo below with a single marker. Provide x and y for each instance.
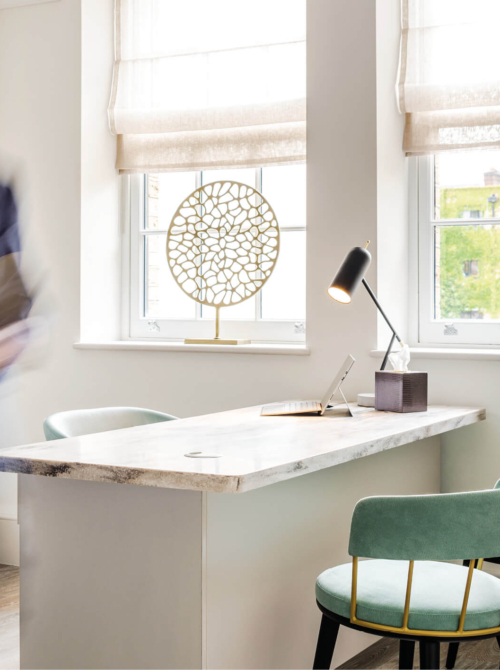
(9, 617)
(383, 654)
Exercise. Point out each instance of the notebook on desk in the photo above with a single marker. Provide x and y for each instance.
(313, 406)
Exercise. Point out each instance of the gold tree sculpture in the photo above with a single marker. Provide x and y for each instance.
(222, 246)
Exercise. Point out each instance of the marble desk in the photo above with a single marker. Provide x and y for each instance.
(167, 570)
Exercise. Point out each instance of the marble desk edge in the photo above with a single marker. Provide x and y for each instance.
(21, 463)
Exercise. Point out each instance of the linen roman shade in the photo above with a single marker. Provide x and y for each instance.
(449, 78)
(202, 84)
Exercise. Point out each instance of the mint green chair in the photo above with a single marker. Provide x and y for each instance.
(405, 591)
(453, 647)
(86, 421)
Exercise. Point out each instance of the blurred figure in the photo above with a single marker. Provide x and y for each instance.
(15, 301)
(17, 329)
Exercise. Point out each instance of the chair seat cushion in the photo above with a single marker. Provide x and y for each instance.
(436, 596)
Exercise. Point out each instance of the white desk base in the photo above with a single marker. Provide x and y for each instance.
(117, 576)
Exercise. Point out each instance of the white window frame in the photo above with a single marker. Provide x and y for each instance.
(140, 327)
(431, 330)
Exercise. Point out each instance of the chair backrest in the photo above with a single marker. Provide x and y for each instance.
(440, 527)
(86, 421)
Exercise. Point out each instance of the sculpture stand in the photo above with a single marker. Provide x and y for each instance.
(216, 339)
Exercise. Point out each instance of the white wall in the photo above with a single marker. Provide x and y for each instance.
(74, 192)
(470, 459)
(392, 180)
(101, 263)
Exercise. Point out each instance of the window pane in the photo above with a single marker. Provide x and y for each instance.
(244, 311)
(467, 259)
(284, 295)
(165, 194)
(197, 25)
(467, 185)
(164, 299)
(285, 189)
(244, 176)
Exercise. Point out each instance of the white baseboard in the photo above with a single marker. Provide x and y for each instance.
(9, 542)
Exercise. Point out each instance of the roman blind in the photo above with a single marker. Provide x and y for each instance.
(202, 84)
(449, 77)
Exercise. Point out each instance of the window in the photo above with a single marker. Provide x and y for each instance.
(160, 309)
(204, 90)
(459, 248)
(449, 95)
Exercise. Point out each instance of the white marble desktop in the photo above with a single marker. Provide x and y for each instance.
(251, 451)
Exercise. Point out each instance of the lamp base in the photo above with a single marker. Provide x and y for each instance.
(366, 399)
(217, 341)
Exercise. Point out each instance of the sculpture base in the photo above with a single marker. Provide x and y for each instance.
(217, 341)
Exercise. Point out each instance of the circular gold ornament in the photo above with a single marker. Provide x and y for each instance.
(223, 243)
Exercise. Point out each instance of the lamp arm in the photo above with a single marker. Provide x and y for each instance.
(394, 333)
(384, 362)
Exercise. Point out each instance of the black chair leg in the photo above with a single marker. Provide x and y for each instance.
(406, 654)
(429, 655)
(498, 640)
(326, 643)
(452, 655)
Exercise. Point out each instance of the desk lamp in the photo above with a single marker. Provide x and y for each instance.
(349, 276)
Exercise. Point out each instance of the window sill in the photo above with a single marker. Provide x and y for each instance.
(137, 345)
(448, 354)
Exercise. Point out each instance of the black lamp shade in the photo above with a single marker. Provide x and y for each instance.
(350, 274)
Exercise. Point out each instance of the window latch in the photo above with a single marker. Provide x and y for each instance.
(299, 328)
(449, 329)
(153, 327)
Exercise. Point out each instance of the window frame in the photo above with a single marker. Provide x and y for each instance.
(431, 330)
(140, 327)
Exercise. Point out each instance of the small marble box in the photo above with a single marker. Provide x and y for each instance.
(401, 391)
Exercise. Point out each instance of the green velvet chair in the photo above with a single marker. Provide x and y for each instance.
(406, 591)
(86, 421)
(453, 647)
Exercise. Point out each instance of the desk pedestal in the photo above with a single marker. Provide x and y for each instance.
(122, 576)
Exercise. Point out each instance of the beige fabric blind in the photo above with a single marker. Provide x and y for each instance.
(202, 84)
(449, 77)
